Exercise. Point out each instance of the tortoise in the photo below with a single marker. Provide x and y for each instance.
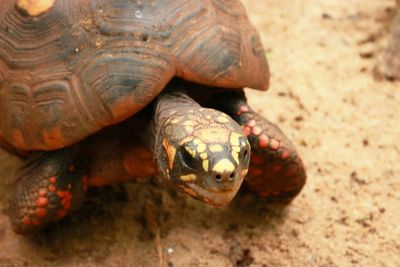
(91, 91)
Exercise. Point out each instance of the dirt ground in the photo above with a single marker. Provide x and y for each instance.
(345, 125)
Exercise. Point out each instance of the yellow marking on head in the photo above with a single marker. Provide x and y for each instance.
(174, 121)
(224, 165)
(216, 148)
(190, 151)
(189, 191)
(205, 165)
(208, 117)
(213, 135)
(171, 151)
(235, 138)
(235, 156)
(35, 7)
(201, 148)
(186, 139)
(244, 172)
(188, 178)
(197, 141)
(204, 155)
(189, 129)
(222, 119)
(189, 123)
(236, 149)
(203, 120)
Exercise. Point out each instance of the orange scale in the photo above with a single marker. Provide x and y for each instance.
(65, 201)
(41, 213)
(68, 197)
(26, 220)
(42, 202)
(247, 131)
(274, 144)
(257, 130)
(52, 188)
(251, 123)
(285, 155)
(263, 141)
(67, 206)
(42, 192)
(61, 193)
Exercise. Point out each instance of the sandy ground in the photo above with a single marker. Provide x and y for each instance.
(345, 125)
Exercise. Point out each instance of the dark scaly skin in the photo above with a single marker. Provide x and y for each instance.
(50, 186)
(276, 171)
(117, 154)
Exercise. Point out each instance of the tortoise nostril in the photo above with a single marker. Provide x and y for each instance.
(225, 177)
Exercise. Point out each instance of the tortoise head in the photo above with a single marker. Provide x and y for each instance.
(205, 154)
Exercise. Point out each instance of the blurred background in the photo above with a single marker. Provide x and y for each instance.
(334, 92)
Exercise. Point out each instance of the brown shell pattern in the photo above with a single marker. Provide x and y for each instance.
(86, 64)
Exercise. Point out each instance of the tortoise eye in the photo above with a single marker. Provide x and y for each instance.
(187, 158)
(246, 155)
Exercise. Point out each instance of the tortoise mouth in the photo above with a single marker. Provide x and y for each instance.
(217, 197)
(218, 190)
(213, 194)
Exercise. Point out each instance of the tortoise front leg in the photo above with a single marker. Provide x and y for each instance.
(116, 154)
(276, 171)
(50, 185)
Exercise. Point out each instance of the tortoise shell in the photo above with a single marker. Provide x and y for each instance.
(71, 67)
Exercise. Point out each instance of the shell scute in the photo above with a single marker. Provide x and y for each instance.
(82, 65)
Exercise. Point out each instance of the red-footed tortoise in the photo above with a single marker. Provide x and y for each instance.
(70, 68)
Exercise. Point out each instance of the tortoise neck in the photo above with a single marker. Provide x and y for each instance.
(173, 102)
